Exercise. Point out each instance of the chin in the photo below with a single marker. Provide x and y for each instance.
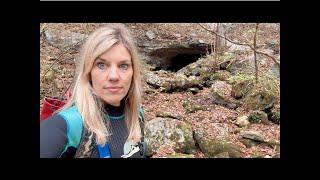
(113, 101)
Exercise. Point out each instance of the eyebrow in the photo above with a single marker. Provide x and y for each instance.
(122, 61)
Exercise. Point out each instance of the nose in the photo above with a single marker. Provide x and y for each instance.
(113, 74)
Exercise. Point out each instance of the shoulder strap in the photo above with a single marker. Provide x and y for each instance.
(141, 121)
(74, 126)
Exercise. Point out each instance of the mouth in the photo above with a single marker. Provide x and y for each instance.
(113, 89)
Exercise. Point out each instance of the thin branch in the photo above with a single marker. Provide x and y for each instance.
(58, 59)
(242, 44)
(255, 54)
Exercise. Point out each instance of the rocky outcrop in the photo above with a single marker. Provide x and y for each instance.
(160, 131)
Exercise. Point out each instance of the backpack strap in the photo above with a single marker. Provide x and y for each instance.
(74, 126)
(141, 121)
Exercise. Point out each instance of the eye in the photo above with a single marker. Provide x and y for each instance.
(101, 65)
(124, 66)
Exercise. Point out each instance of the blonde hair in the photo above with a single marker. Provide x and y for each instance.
(89, 105)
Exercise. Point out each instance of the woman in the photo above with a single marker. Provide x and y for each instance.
(103, 117)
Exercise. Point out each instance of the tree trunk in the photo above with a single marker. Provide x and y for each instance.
(220, 42)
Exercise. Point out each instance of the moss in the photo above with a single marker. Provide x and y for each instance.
(205, 75)
(194, 108)
(187, 132)
(213, 147)
(276, 117)
(220, 75)
(257, 154)
(241, 84)
(258, 116)
(263, 95)
(185, 103)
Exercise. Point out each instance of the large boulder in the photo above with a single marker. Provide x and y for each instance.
(160, 131)
(263, 95)
(241, 84)
(213, 139)
(221, 94)
(169, 82)
(64, 39)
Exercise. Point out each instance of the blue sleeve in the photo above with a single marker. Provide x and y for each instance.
(53, 137)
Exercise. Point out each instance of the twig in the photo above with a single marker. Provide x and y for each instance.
(63, 53)
(242, 44)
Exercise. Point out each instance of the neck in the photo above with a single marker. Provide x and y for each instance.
(115, 110)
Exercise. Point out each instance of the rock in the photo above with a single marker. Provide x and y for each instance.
(242, 121)
(221, 75)
(241, 84)
(170, 82)
(262, 95)
(248, 142)
(168, 115)
(212, 140)
(277, 155)
(154, 80)
(273, 144)
(149, 91)
(193, 90)
(180, 155)
(177, 35)
(274, 71)
(49, 76)
(245, 65)
(275, 117)
(220, 91)
(221, 94)
(160, 131)
(236, 47)
(274, 113)
(195, 72)
(222, 155)
(258, 116)
(150, 34)
(193, 108)
(64, 39)
(254, 135)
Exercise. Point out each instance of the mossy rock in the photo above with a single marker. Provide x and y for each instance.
(212, 147)
(194, 108)
(168, 115)
(160, 131)
(258, 116)
(248, 142)
(263, 95)
(241, 84)
(221, 75)
(275, 117)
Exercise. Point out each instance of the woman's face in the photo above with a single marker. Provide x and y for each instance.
(111, 74)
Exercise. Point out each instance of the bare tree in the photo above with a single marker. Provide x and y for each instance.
(220, 42)
(243, 44)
